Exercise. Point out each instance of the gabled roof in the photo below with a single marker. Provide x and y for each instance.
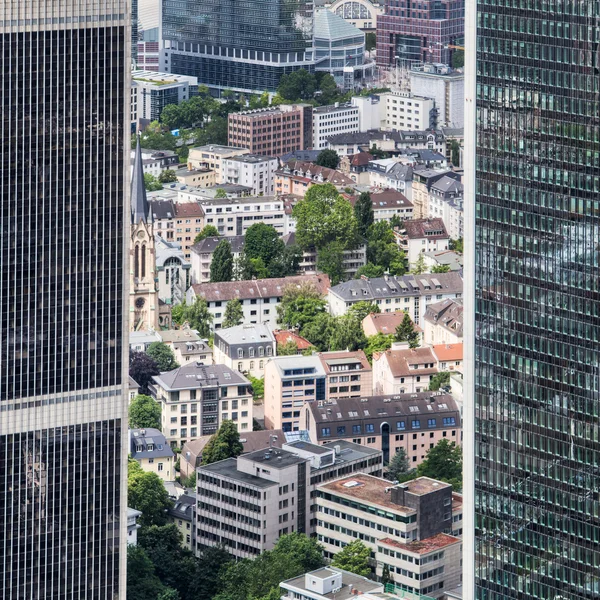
(193, 376)
(140, 209)
(402, 363)
(431, 229)
(209, 244)
(444, 352)
(448, 314)
(448, 185)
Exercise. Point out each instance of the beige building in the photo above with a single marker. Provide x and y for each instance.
(151, 451)
(420, 236)
(197, 398)
(189, 221)
(183, 515)
(443, 322)
(295, 177)
(200, 177)
(405, 111)
(449, 357)
(211, 157)
(407, 527)
(348, 374)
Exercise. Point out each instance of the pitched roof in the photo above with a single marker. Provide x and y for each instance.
(410, 362)
(432, 229)
(148, 443)
(448, 314)
(448, 185)
(311, 172)
(209, 244)
(445, 352)
(284, 336)
(162, 209)
(331, 359)
(329, 26)
(193, 376)
(188, 209)
(246, 334)
(140, 210)
(385, 323)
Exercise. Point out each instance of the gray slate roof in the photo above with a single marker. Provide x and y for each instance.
(140, 210)
(194, 376)
(209, 244)
(149, 438)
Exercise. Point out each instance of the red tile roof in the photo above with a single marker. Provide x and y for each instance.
(284, 336)
(445, 352)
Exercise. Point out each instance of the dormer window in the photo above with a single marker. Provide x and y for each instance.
(240, 353)
(251, 352)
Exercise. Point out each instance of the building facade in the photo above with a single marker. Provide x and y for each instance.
(532, 381)
(348, 374)
(331, 120)
(253, 171)
(406, 111)
(150, 449)
(64, 167)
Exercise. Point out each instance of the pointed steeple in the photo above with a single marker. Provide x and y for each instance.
(140, 208)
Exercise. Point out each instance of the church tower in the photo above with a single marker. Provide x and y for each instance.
(142, 285)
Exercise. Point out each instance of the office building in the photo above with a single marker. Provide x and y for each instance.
(64, 274)
(348, 374)
(331, 120)
(405, 111)
(533, 302)
(240, 48)
(253, 171)
(360, 13)
(149, 39)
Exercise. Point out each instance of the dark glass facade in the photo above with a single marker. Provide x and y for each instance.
(537, 295)
(238, 44)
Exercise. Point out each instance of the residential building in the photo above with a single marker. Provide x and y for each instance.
(196, 398)
(447, 88)
(407, 527)
(271, 131)
(193, 351)
(370, 111)
(252, 170)
(340, 50)
(185, 343)
(259, 297)
(347, 374)
(212, 157)
(389, 141)
(446, 202)
(449, 357)
(408, 293)
(422, 235)
(389, 173)
(296, 177)
(157, 90)
(419, 33)
(423, 179)
(245, 348)
(140, 340)
(286, 336)
(156, 161)
(360, 13)
(172, 271)
(183, 515)
(385, 323)
(199, 178)
(411, 422)
(63, 300)
(132, 526)
(444, 258)
(356, 167)
(149, 448)
(331, 120)
(405, 111)
(326, 583)
(202, 252)
(443, 322)
(291, 382)
(402, 370)
(163, 216)
(389, 203)
(189, 221)
(241, 50)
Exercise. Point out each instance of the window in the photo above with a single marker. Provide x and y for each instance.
(325, 431)
(369, 428)
(240, 353)
(449, 421)
(355, 428)
(341, 430)
(240, 366)
(160, 466)
(251, 365)
(431, 423)
(416, 424)
(400, 425)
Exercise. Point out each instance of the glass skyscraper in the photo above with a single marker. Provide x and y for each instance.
(533, 233)
(242, 45)
(63, 104)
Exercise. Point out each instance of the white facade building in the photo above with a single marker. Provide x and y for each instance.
(403, 110)
(251, 170)
(331, 120)
(212, 157)
(370, 112)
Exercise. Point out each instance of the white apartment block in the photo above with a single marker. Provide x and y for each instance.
(331, 120)
(370, 112)
(251, 170)
(212, 157)
(403, 110)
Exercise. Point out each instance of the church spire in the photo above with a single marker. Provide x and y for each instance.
(140, 208)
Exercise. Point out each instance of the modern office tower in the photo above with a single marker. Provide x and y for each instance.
(230, 45)
(63, 104)
(532, 407)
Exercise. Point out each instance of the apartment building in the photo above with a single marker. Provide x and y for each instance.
(331, 120)
(154, 162)
(406, 111)
(412, 422)
(163, 215)
(212, 157)
(149, 448)
(347, 374)
(408, 528)
(443, 322)
(389, 203)
(408, 293)
(189, 221)
(183, 515)
(201, 254)
(422, 235)
(295, 177)
(196, 398)
(422, 181)
(446, 202)
(327, 583)
(251, 170)
(390, 174)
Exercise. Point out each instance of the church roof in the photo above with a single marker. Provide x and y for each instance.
(140, 209)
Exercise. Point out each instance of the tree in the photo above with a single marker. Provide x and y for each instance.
(323, 216)
(171, 116)
(288, 349)
(258, 387)
(363, 209)
(198, 316)
(328, 158)
(346, 333)
(297, 85)
(399, 466)
(439, 380)
(354, 557)
(370, 41)
(300, 305)
(141, 369)
(456, 245)
(151, 183)
(386, 576)
(220, 193)
(167, 176)
(441, 269)
(377, 343)
(163, 356)
(382, 249)
(419, 266)
(221, 266)
(328, 88)
(330, 260)
(398, 264)
(286, 263)
(362, 309)
(144, 413)
(369, 270)
(142, 581)
(444, 463)
(223, 444)
(377, 153)
(155, 137)
(146, 493)
(234, 314)
(169, 594)
(405, 332)
(318, 331)
(207, 231)
(455, 153)
(262, 241)
(458, 59)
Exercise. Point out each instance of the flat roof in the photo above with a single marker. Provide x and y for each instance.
(358, 583)
(314, 448)
(274, 457)
(424, 485)
(431, 544)
(228, 468)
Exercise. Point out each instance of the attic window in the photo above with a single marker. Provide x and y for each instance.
(413, 409)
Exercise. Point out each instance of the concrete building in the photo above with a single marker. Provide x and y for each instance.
(132, 526)
(212, 157)
(443, 322)
(253, 171)
(390, 174)
(202, 252)
(259, 297)
(183, 515)
(352, 259)
(406, 111)
(163, 214)
(245, 348)
(331, 120)
(199, 178)
(360, 13)
(348, 374)
(196, 398)
(172, 271)
(149, 38)
(149, 448)
(156, 90)
(407, 527)
(423, 180)
(408, 293)
(290, 383)
(389, 423)
(296, 177)
(447, 88)
(155, 162)
(420, 236)
(370, 111)
(189, 221)
(272, 131)
(446, 202)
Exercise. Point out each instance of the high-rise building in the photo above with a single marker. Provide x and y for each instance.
(240, 46)
(532, 226)
(63, 104)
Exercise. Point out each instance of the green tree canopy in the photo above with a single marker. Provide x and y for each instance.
(369, 270)
(207, 231)
(370, 41)
(141, 369)
(223, 444)
(220, 193)
(146, 493)
(419, 266)
(234, 313)
(346, 333)
(155, 137)
(298, 85)
(328, 88)
(317, 330)
(362, 309)
(377, 343)
(262, 241)
(163, 356)
(441, 269)
(382, 249)
(300, 305)
(167, 176)
(399, 467)
(221, 266)
(458, 59)
(328, 158)
(286, 263)
(151, 183)
(456, 245)
(439, 380)
(322, 217)
(288, 349)
(354, 557)
(198, 316)
(405, 332)
(144, 413)
(258, 387)
(444, 463)
(171, 116)
(142, 581)
(363, 209)
(330, 260)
